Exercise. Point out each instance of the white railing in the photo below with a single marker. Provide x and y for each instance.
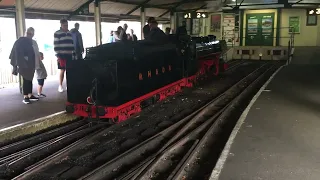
(7, 79)
(44, 30)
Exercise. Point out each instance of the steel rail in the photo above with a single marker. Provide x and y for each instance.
(132, 154)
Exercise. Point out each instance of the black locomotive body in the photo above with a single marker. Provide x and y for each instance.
(119, 72)
(118, 77)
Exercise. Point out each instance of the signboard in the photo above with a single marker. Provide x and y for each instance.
(229, 29)
(259, 29)
(195, 15)
(314, 11)
(252, 25)
(215, 23)
(294, 24)
(267, 25)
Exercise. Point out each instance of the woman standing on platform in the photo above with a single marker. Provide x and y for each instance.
(25, 58)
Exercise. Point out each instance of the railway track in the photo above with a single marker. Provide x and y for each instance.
(19, 156)
(178, 151)
(53, 129)
(89, 146)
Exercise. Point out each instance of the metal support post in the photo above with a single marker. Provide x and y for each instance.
(20, 18)
(143, 20)
(20, 28)
(173, 22)
(97, 20)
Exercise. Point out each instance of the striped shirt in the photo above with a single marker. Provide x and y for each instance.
(63, 43)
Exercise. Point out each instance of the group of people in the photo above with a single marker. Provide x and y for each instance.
(151, 31)
(26, 59)
(121, 35)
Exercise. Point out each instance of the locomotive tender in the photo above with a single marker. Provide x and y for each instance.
(117, 80)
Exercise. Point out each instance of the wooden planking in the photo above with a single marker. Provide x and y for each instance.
(157, 2)
(57, 5)
(151, 12)
(107, 7)
(7, 2)
(194, 5)
(113, 8)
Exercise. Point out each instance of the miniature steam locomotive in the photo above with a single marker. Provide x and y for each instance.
(117, 80)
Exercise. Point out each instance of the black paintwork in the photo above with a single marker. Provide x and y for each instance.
(116, 68)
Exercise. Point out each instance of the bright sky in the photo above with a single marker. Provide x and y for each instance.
(44, 30)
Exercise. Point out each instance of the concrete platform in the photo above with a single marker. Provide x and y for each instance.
(13, 111)
(279, 137)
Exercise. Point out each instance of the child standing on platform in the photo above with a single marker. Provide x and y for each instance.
(41, 76)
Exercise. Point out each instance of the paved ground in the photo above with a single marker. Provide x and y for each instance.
(13, 111)
(306, 55)
(280, 138)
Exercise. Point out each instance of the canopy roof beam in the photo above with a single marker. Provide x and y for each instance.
(138, 6)
(76, 12)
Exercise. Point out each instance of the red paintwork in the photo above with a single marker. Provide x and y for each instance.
(124, 111)
(206, 62)
(189, 81)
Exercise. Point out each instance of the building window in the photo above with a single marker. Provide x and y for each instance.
(311, 19)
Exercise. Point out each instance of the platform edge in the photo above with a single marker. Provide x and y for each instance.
(35, 125)
(224, 155)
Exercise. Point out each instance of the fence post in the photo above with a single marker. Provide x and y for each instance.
(289, 52)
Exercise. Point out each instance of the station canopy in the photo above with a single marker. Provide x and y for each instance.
(111, 10)
(116, 10)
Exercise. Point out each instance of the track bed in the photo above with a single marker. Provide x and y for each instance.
(107, 144)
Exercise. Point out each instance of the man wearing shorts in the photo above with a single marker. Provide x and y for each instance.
(63, 46)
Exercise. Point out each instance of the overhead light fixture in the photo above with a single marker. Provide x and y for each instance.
(311, 11)
(314, 11)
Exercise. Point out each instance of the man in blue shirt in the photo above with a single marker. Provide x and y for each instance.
(77, 41)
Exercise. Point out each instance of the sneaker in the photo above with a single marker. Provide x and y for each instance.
(60, 89)
(41, 95)
(26, 101)
(33, 98)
